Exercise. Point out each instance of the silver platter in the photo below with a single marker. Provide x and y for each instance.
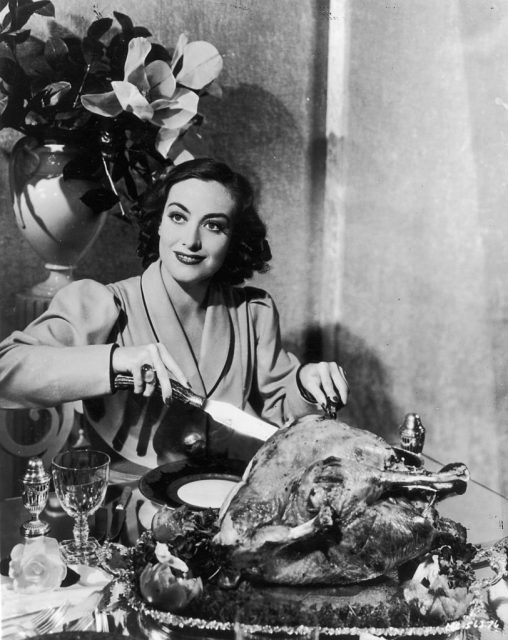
(165, 619)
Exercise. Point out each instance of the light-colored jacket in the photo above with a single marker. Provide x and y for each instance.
(64, 355)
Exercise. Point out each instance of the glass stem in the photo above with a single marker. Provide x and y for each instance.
(81, 530)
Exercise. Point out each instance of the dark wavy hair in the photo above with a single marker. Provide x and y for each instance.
(248, 251)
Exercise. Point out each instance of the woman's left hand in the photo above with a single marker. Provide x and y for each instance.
(326, 382)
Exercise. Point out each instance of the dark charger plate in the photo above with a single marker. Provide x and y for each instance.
(161, 484)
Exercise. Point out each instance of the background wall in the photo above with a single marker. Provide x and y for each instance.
(424, 286)
(421, 173)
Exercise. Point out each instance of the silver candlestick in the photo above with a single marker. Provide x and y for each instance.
(412, 433)
(35, 496)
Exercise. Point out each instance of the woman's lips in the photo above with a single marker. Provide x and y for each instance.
(185, 258)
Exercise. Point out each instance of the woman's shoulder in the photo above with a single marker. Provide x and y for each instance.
(248, 294)
(125, 286)
(89, 285)
(258, 303)
(92, 293)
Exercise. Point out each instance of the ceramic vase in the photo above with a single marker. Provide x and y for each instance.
(48, 210)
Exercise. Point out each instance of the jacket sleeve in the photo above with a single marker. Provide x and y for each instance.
(275, 371)
(63, 355)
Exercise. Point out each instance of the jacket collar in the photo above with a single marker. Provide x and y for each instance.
(216, 342)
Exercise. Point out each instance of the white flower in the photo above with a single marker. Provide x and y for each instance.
(37, 566)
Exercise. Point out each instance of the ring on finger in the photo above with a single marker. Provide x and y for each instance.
(148, 374)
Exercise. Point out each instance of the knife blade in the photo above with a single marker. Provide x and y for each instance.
(223, 412)
(118, 514)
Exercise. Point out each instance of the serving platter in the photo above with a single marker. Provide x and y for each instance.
(473, 620)
(478, 616)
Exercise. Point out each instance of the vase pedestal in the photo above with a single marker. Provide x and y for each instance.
(59, 276)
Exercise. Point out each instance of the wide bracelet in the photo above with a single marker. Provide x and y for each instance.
(303, 392)
(111, 372)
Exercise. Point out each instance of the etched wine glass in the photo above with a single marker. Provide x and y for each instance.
(81, 480)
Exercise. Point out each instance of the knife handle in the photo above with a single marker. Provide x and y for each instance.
(179, 392)
(124, 498)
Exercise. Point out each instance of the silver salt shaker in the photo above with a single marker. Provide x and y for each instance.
(412, 433)
(35, 496)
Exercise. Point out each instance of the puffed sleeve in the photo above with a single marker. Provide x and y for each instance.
(63, 355)
(275, 371)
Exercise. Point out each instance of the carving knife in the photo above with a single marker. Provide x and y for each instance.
(222, 412)
(118, 514)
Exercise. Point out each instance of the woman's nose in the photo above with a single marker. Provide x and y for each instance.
(192, 239)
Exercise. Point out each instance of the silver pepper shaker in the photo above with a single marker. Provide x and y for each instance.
(35, 496)
(412, 433)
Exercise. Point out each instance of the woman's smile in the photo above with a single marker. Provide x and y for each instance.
(185, 258)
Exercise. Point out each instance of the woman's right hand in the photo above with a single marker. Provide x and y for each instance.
(132, 360)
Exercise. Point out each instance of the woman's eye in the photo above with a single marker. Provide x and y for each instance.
(177, 217)
(216, 227)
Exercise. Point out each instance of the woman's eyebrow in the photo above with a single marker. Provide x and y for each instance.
(178, 204)
(216, 215)
(219, 214)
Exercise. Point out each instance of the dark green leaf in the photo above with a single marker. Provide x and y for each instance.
(178, 66)
(24, 13)
(99, 27)
(117, 52)
(99, 199)
(33, 118)
(120, 168)
(125, 22)
(55, 51)
(62, 116)
(3, 4)
(93, 50)
(158, 52)
(54, 92)
(48, 10)
(83, 168)
(73, 44)
(141, 32)
(12, 39)
(8, 70)
(22, 36)
(130, 184)
(40, 72)
(6, 21)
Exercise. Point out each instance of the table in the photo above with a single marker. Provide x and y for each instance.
(482, 511)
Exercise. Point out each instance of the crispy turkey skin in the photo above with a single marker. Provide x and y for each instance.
(326, 503)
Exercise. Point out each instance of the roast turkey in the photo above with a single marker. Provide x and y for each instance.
(324, 502)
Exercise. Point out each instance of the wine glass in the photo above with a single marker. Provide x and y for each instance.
(81, 479)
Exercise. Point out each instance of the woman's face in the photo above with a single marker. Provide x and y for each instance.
(195, 230)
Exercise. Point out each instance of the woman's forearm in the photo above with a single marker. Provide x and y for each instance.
(45, 376)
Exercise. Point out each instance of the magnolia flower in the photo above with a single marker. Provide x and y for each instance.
(37, 566)
(200, 62)
(151, 93)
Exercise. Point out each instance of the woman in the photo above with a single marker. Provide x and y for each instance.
(182, 319)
